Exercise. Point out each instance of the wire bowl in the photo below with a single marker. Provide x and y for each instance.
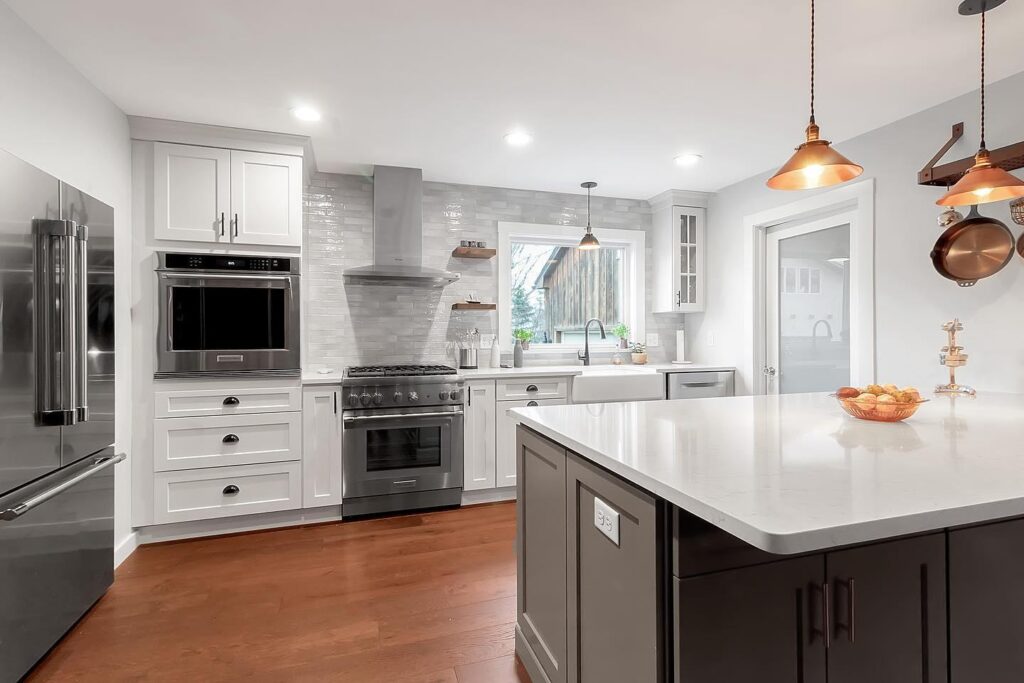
(884, 412)
(1017, 211)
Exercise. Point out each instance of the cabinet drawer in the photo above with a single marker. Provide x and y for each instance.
(228, 400)
(226, 491)
(190, 442)
(540, 387)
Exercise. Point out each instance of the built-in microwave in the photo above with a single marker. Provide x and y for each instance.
(227, 315)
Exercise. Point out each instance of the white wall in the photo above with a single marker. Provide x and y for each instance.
(54, 119)
(911, 299)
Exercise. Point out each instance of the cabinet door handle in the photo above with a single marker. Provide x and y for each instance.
(230, 438)
(825, 631)
(221, 223)
(231, 401)
(230, 490)
(851, 609)
(530, 388)
(532, 403)
(236, 225)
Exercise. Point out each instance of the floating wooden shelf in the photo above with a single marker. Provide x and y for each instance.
(473, 252)
(466, 306)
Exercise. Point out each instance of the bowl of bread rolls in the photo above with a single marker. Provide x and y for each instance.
(880, 402)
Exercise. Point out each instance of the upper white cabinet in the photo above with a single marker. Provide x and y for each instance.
(191, 192)
(208, 194)
(321, 446)
(679, 254)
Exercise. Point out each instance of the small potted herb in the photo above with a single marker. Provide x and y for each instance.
(524, 337)
(639, 354)
(622, 332)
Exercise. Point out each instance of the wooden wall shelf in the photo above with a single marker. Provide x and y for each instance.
(473, 252)
(465, 306)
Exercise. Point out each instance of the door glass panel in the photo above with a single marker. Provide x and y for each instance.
(403, 448)
(814, 311)
(227, 318)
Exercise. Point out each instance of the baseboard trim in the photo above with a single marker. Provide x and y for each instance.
(488, 495)
(529, 659)
(163, 533)
(125, 548)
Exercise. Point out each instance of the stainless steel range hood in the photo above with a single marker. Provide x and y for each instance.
(398, 233)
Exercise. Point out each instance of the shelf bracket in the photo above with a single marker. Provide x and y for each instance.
(926, 176)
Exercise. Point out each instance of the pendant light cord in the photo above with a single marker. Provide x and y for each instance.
(812, 60)
(983, 79)
(588, 209)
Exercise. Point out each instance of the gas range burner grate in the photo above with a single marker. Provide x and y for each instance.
(399, 370)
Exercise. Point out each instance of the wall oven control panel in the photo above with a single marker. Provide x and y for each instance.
(225, 262)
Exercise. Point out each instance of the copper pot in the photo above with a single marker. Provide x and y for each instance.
(973, 248)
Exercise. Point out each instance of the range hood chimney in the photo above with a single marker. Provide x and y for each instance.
(398, 233)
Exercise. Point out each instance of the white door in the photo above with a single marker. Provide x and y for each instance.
(811, 274)
(505, 443)
(321, 446)
(191, 199)
(478, 448)
(266, 199)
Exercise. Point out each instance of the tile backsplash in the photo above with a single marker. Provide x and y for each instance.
(350, 324)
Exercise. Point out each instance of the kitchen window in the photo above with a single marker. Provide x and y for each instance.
(549, 288)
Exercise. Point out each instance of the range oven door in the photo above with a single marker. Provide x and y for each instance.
(226, 323)
(399, 450)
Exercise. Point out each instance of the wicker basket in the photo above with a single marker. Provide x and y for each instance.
(1017, 211)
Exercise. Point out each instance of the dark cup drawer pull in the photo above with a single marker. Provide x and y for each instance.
(230, 438)
(231, 401)
(531, 388)
(230, 490)
(532, 403)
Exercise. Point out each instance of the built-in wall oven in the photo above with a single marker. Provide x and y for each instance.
(227, 315)
(403, 441)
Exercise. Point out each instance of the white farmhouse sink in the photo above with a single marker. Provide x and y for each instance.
(604, 383)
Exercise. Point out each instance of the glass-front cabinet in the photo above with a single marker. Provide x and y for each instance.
(679, 258)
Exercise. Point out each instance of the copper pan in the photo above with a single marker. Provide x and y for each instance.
(973, 248)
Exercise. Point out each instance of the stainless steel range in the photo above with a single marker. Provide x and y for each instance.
(403, 430)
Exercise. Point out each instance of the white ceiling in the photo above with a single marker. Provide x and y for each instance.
(611, 90)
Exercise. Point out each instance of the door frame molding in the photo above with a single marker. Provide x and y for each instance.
(857, 199)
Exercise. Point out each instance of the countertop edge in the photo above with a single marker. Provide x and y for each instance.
(790, 543)
(313, 378)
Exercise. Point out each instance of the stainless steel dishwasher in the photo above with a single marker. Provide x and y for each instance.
(700, 384)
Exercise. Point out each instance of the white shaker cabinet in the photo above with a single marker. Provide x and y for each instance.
(479, 445)
(679, 259)
(505, 457)
(191, 192)
(321, 446)
(209, 194)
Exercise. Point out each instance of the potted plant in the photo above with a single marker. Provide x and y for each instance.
(622, 332)
(523, 336)
(639, 353)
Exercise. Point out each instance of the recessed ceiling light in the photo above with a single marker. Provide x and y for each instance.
(306, 114)
(518, 138)
(688, 159)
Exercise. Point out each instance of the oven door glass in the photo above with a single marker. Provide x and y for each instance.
(210, 318)
(399, 448)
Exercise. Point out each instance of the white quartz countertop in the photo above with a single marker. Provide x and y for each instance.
(311, 377)
(791, 474)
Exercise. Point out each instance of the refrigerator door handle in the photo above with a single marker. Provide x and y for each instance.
(81, 315)
(14, 512)
(55, 302)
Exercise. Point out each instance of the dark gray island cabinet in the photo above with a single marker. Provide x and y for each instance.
(618, 585)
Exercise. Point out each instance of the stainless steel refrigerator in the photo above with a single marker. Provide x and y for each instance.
(56, 410)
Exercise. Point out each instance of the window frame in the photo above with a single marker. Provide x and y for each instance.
(634, 277)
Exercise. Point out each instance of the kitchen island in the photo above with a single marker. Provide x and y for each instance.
(771, 539)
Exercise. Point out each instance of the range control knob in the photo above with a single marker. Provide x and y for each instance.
(378, 399)
(455, 395)
(365, 398)
(353, 400)
(414, 396)
(398, 396)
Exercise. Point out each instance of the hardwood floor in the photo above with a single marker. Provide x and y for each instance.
(427, 598)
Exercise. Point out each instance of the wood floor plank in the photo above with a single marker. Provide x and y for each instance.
(421, 598)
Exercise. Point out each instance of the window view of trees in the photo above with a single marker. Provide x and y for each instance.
(556, 289)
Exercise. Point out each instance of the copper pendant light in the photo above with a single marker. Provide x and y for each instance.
(983, 183)
(589, 242)
(815, 163)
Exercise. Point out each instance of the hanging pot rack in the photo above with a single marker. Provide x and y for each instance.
(1009, 158)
